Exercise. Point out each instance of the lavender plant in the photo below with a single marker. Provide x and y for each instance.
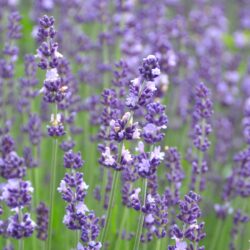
(166, 155)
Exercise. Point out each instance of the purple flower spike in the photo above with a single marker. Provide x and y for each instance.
(42, 221)
(73, 160)
(150, 68)
(56, 129)
(17, 193)
(19, 229)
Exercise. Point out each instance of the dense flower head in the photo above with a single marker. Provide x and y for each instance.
(90, 227)
(92, 245)
(42, 221)
(54, 89)
(109, 155)
(67, 145)
(20, 228)
(192, 230)
(29, 160)
(150, 68)
(140, 93)
(17, 193)
(7, 145)
(34, 129)
(201, 118)
(189, 209)
(147, 162)
(73, 160)
(156, 114)
(56, 129)
(238, 218)
(124, 129)
(46, 28)
(12, 166)
(237, 182)
(14, 28)
(172, 162)
(72, 187)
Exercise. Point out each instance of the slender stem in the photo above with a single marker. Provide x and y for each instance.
(216, 235)
(21, 241)
(21, 244)
(141, 218)
(77, 236)
(111, 202)
(124, 219)
(158, 244)
(52, 191)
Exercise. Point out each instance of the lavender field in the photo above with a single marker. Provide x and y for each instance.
(124, 124)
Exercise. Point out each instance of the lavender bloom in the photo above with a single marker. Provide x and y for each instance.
(56, 129)
(7, 145)
(42, 221)
(201, 116)
(189, 215)
(54, 89)
(109, 155)
(121, 129)
(175, 174)
(34, 129)
(17, 193)
(73, 160)
(12, 166)
(19, 229)
(147, 162)
(238, 218)
(10, 51)
(30, 162)
(90, 228)
(14, 28)
(91, 246)
(156, 114)
(73, 190)
(150, 68)
(67, 145)
(69, 182)
(201, 129)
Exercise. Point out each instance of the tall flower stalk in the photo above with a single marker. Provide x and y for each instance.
(78, 217)
(202, 113)
(53, 92)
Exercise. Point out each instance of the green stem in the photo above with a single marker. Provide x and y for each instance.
(52, 192)
(216, 235)
(158, 244)
(124, 219)
(21, 241)
(141, 218)
(111, 202)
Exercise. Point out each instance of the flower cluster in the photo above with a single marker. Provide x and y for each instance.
(73, 190)
(16, 193)
(54, 90)
(192, 230)
(42, 221)
(202, 113)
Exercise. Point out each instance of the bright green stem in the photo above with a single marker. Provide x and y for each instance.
(214, 243)
(52, 192)
(141, 218)
(158, 244)
(124, 219)
(111, 202)
(21, 244)
(21, 241)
